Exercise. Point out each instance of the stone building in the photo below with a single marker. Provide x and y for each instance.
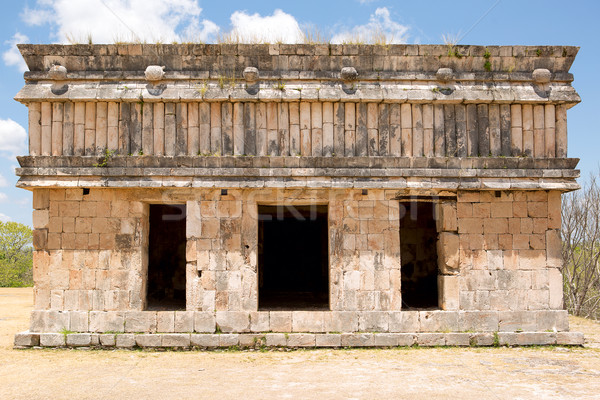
(297, 195)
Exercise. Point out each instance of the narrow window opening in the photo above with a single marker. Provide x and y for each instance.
(418, 252)
(293, 258)
(166, 257)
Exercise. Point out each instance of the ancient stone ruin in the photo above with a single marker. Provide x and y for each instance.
(297, 195)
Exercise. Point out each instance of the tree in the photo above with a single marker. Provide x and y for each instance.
(581, 250)
(15, 255)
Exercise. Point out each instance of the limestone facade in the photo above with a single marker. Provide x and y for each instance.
(486, 149)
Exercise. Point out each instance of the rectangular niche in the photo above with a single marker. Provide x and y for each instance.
(293, 257)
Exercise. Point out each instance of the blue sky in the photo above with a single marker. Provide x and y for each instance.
(510, 22)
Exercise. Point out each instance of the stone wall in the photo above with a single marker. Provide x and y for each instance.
(497, 250)
(297, 128)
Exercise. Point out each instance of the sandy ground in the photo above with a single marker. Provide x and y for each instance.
(425, 373)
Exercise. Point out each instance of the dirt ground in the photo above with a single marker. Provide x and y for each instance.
(424, 373)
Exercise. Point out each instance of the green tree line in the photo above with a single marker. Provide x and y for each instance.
(16, 259)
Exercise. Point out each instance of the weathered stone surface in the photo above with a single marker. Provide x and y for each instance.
(101, 321)
(228, 340)
(204, 340)
(148, 340)
(276, 339)
(107, 339)
(358, 339)
(386, 339)
(125, 340)
(27, 339)
(79, 339)
(140, 321)
(52, 339)
(431, 339)
(176, 340)
(233, 321)
(204, 322)
(448, 255)
(570, 338)
(328, 340)
(280, 321)
(404, 321)
(457, 339)
(301, 340)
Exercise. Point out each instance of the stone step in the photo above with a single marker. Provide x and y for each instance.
(293, 340)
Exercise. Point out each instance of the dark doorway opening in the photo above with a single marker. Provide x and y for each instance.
(166, 257)
(293, 258)
(418, 255)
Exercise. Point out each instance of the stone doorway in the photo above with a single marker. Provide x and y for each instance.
(418, 255)
(293, 257)
(166, 257)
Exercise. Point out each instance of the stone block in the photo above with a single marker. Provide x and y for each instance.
(406, 339)
(79, 321)
(228, 340)
(551, 320)
(165, 321)
(148, 340)
(259, 321)
(447, 217)
(438, 321)
(175, 339)
(107, 339)
(307, 321)
(184, 321)
(448, 292)
(448, 253)
(276, 339)
(79, 339)
(37, 321)
(458, 339)
(301, 340)
(328, 340)
(555, 285)
(125, 340)
(358, 340)
(482, 339)
(373, 321)
(404, 321)
(280, 321)
(140, 321)
(208, 341)
(478, 321)
(431, 339)
(94, 339)
(233, 321)
(204, 322)
(386, 339)
(514, 321)
(27, 339)
(340, 321)
(52, 339)
(251, 340)
(103, 321)
(570, 338)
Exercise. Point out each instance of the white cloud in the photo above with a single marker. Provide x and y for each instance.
(5, 218)
(13, 138)
(380, 24)
(12, 56)
(366, 1)
(277, 28)
(3, 181)
(3, 197)
(107, 21)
